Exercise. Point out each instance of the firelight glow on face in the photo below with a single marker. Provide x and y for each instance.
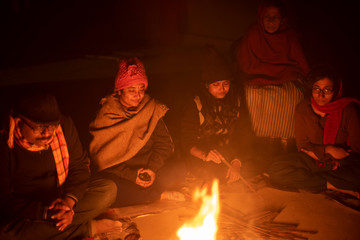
(219, 89)
(322, 91)
(272, 19)
(133, 95)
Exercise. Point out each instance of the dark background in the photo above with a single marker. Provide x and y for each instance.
(36, 32)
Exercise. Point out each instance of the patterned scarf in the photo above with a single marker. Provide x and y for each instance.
(57, 143)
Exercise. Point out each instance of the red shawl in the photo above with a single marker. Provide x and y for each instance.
(333, 119)
(271, 58)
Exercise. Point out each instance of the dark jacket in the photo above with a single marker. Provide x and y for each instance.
(309, 130)
(28, 180)
(239, 136)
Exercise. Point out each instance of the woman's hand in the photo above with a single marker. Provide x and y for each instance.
(310, 153)
(145, 183)
(336, 152)
(233, 173)
(214, 155)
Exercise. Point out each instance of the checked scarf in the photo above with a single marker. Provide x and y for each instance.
(57, 143)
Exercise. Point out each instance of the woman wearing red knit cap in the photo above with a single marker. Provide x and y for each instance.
(131, 143)
(327, 129)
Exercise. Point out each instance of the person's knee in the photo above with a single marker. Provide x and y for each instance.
(108, 189)
(278, 170)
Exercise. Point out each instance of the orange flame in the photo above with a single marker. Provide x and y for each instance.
(203, 225)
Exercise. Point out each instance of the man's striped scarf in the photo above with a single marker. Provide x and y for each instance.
(57, 143)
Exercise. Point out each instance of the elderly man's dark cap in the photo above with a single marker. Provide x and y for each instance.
(39, 107)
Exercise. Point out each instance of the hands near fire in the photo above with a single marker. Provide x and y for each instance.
(310, 153)
(61, 210)
(213, 155)
(336, 152)
(142, 176)
(233, 173)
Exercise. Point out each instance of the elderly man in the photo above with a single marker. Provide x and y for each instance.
(44, 176)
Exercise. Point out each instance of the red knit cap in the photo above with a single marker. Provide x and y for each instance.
(131, 71)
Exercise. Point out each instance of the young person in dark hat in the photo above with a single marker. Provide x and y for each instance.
(44, 176)
(214, 126)
(131, 143)
(327, 128)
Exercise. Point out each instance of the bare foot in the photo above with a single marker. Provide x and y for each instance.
(173, 195)
(352, 193)
(105, 225)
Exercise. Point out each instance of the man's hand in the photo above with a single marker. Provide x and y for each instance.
(143, 183)
(64, 219)
(62, 212)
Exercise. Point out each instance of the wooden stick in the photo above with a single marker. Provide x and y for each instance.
(241, 178)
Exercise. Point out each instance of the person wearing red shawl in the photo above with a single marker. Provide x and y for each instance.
(272, 65)
(45, 187)
(327, 129)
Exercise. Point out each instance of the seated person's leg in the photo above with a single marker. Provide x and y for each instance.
(171, 175)
(346, 178)
(271, 110)
(298, 171)
(99, 196)
(42, 230)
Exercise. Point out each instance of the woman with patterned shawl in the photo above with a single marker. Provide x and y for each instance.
(214, 129)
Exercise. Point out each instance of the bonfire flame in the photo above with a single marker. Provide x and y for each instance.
(203, 225)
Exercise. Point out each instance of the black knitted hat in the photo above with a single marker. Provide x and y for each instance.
(39, 107)
(214, 67)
